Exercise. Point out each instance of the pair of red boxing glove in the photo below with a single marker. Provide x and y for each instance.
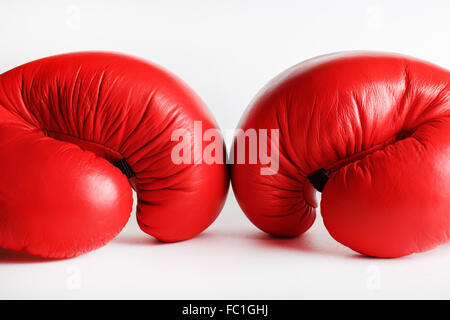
(370, 131)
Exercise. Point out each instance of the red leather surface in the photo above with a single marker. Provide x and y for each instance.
(380, 123)
(63, 119)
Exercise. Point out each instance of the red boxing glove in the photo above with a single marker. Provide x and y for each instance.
(373, 131)
(65, 120)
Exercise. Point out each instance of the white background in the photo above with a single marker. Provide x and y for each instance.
(226, 51)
